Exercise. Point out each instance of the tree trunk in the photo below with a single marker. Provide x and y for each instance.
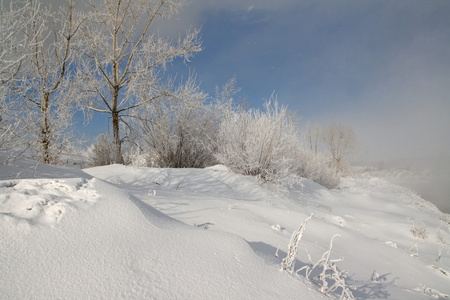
(118, 159)
(45, 140)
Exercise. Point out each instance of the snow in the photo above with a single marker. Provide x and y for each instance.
(145, 233)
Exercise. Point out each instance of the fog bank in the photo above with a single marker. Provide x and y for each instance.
(428, 177)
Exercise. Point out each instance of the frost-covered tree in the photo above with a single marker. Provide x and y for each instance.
(180, 130)
(312, 135)
(14, 45)
(340, 141)
(14, 48)
(44, 86)
(126, 57)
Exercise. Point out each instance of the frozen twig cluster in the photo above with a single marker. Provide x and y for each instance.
(331, 278)
(423, 289)
(288, 263)
(414, 248)
(419, 231)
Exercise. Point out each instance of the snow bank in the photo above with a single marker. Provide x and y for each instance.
(207, 233)
(83, 238)
(376, 219)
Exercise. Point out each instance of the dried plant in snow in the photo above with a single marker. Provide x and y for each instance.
(414, 248)
(288, 263)
(330, 278)
(419, 231)
(445, 218)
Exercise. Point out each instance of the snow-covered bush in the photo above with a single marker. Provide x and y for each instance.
(266, 144)
(259, 143)
(317, 168)
(102, 152)
(180, 130)
(135, 156)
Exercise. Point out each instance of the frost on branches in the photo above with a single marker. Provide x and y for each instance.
(126, 57)
(180, 130)
(43, 92)
(266, 144)
(259, 143)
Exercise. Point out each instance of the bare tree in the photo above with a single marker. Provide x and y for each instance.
(313, 134)
(126, 59)
(45, 88)
(340, 141)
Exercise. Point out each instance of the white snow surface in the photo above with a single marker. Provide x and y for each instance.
(145, 233)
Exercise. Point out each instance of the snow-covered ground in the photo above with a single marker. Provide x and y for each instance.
(145, 233)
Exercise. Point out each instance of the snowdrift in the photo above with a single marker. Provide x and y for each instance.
(380, 224)
(83, 238)
(145, 233)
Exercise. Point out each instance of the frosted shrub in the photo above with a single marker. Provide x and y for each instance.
(136, 157)
(102, 152)
(180, 130)
(317, 168)
(259, 143)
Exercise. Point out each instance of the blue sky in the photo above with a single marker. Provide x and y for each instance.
(379, 66)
